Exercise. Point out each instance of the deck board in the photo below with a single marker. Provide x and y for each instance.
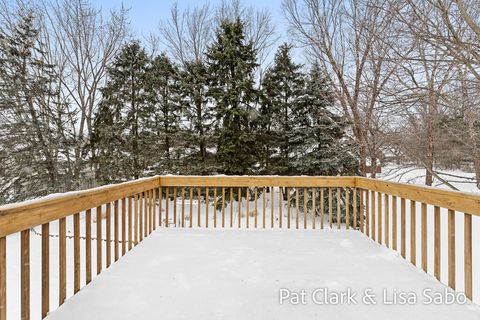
(237, 274)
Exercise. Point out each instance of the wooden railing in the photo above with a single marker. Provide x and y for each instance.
(133, 210)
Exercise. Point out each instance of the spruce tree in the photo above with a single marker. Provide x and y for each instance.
(199, 138)
(31, 114)
(231, 65)
(283, 87)
(319, 144)
(164, 88)
(123, 126)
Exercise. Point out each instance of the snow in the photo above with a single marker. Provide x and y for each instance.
(238, 274)
(416, 175)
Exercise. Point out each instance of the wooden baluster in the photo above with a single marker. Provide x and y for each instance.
(130, 221)
(160, 206)
(199, 196)
(25, 274)
(231, 207)
(304, 208)
(154, 210)
(62, 261)
(314, 208)
(45, 270)
(76, 253)
(191, 208)
(109, 237)
(239, 207)
(437, 243)
(207, 196)
(322, 207)
(387, 221)
(215, 207)
(288, 208)
(3, 279)
(124, 226)
(175, 206)
(373, 216)
(145, 214)
(88, 246)
(272, 211)
(403, 228)
(330, 208)
(141, 197)
(256, 206)
(339, 208)
(264, 207)
(424, 238)
(468, 255)
(354, 208)
(297, 207)
(347, 208)
(116, 237)
(380, 218)
(362, 210)
(367, 212)
(413, 232)
(167, 206)
(247, 209)
(98, 216)
(280, 206)
(451, 249)
(223, 207)
(183, 207)
(394, 222)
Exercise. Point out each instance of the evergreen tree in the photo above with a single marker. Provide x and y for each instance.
(164, 88)
(31, 114)
(231, 65)
(123, 126)
(283, 87)
(317, 137)
(199, 113)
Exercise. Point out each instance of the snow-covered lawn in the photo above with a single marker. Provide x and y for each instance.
(462, 180)
(240, 274)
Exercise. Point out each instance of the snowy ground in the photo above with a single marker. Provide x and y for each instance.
(232, 274)
(463, 181)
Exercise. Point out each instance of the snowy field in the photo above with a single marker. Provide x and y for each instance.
(462, 180)
(232, 274)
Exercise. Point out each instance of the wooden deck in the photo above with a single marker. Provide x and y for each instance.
(238, 274)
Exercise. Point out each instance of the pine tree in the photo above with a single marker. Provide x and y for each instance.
(318, 140)
(164, 88)
(123, 126)
(231, 64)
(199, 138)
(31, 114)
(283, 87)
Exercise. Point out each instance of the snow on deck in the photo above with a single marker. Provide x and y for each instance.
(238, 274)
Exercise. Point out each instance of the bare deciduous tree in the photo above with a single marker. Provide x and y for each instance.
(351, 39)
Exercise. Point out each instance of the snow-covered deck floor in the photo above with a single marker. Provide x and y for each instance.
(238, 274)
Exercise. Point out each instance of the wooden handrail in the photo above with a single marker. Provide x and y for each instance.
(256, 181)
(20, 216)
(454, 200)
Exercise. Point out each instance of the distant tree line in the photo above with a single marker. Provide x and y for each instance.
(83, 103)
(127, 111)
(210, 117)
